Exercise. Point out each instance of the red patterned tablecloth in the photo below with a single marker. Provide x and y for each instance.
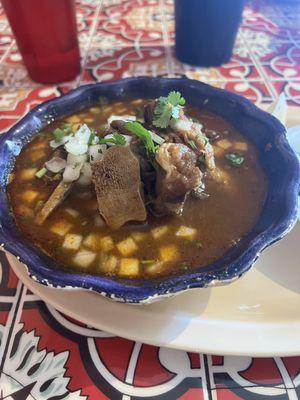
(44, 355)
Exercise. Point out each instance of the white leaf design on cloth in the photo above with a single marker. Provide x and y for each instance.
(42, 372)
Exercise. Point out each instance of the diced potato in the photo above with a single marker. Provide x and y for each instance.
(28, 174)
(106, 243)
(169, 253)
(29, 195)
(186, 232)
(240, 146)
(84, 258)
(127, 247)
(92, 241)
(61, 227)
(224, 144)
(72, 212)
(73, 119)
(129, 267)
(158, 232)
(72, 241)
(139, 236)
(108, 263)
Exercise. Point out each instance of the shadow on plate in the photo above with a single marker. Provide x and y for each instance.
(281, 262)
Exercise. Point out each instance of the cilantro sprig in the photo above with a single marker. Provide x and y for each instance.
(167, 108)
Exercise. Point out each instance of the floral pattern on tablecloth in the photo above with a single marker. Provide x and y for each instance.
(45, 355)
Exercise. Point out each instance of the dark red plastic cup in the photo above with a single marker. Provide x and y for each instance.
(46, 36)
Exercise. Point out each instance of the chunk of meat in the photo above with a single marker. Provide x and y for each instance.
(57, 197)
(192, 131)
(185, 130)
(177, 176)
(118, 187)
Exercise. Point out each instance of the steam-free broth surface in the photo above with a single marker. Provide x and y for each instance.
(77, 238)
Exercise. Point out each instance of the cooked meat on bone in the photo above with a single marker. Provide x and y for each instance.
(57, 197)
(192, 131)
(118, 187)
(177, 176)
(185, 130)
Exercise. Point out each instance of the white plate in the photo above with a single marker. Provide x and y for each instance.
(258, 315)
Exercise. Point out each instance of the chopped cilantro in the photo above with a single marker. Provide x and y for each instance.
(39, 174)
(116, 138)
(119, 139)
(235, 159)
(67, 127)
(58, 135)
(167, 108)
(138, 129)
(176, 99)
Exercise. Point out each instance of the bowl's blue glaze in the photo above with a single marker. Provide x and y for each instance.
(277, 158)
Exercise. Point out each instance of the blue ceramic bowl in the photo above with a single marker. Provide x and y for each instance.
(268, 135)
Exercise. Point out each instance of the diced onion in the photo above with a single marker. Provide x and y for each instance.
(78, 144)
(181, 124)
(85, 178)
(56, 164)
(156, 138)
(54, 144)
(121, 118)
(73, 168)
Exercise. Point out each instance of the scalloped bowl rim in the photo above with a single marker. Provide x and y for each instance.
(42, 269)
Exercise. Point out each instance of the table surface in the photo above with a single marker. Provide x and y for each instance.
(44, 354)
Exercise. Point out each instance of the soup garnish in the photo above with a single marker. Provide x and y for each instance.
(137, 188)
